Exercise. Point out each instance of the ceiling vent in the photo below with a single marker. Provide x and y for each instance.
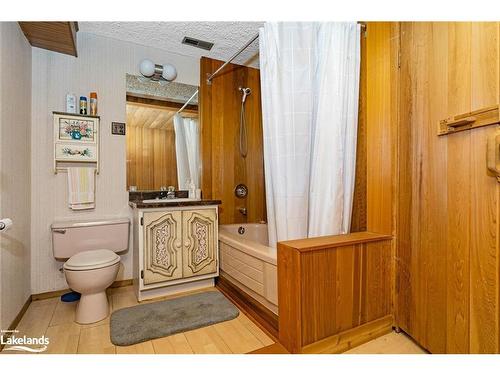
(193, 42)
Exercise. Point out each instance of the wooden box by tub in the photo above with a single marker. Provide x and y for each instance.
(334, 292)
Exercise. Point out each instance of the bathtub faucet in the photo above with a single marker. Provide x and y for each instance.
(243, 210)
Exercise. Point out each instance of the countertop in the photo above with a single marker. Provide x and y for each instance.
(167, 203)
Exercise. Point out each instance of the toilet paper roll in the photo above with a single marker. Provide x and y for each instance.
(5, 224)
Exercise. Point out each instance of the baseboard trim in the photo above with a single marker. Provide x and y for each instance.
(259, 314)
(18, 318)
(58, 293)
(351, 338)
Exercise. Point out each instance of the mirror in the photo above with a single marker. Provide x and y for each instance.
(163, 144)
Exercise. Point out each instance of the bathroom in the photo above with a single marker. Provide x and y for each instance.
(210, 210)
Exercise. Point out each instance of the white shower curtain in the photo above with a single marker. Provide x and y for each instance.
(310, 85)
(187, 150)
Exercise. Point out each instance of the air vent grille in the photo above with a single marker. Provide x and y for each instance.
(197, 43)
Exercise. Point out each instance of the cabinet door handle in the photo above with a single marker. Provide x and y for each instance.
(187, 243)
(178, 244)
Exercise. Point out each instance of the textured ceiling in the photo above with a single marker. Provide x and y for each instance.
(227, 37)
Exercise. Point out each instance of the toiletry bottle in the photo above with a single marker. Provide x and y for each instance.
(93, 104)
(83, 105)
(192, 190)
(70, 103)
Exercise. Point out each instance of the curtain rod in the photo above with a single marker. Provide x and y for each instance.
(209, 79)
(186, 104)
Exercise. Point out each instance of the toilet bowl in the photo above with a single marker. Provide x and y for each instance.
(90, 273)
(91, 264)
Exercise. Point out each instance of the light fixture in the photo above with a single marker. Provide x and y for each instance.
(157, 72)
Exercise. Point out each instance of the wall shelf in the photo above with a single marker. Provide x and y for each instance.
(76, 141)
(476, 119)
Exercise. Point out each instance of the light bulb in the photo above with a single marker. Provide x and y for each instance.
(147, 68)
(169, 72)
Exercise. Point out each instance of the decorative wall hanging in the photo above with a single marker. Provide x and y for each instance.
(76, 140)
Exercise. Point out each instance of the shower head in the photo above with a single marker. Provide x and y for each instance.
(246, 91)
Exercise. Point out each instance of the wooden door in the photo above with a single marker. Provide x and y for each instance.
(200, 242)
(162, 246)
(448, 219)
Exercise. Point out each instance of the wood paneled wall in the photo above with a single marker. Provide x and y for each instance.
(447, 208)
(381, 123)
(334, 292)
(222, 166)
(151, 158)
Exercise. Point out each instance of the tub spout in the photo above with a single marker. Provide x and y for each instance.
(243, 210)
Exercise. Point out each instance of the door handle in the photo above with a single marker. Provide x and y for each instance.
(493, 154)
(62, 231)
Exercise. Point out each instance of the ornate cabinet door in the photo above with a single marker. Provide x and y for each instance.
(200, 242)
(162, 246)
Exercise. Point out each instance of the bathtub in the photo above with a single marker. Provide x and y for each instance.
(249, 263)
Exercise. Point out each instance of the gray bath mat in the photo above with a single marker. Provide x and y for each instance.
(159, 319)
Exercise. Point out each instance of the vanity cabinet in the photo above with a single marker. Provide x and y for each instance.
(175, 249)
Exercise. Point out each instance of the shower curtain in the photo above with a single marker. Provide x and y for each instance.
(187, 151)
(310, 85)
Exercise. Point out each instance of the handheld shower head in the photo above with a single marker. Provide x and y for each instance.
(246, 91)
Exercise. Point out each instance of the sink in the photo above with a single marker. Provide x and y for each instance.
(158, 200)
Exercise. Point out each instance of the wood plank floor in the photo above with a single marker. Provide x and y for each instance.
(55, 320)
(392, 343)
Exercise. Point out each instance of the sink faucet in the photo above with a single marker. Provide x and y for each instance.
(170, 192)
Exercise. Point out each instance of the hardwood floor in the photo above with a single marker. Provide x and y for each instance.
(55, 320)
(392, 343)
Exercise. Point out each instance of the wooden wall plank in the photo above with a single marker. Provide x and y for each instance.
(484, 196)
(376, 276)
(405, 274)
(358, 220)
(380, 121)
(289, 304)
(458, 191)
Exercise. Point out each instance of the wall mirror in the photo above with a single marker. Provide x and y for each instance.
(163, 144)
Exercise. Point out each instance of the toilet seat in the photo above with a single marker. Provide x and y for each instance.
(91, 260)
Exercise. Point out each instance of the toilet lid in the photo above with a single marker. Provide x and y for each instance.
(88, 260)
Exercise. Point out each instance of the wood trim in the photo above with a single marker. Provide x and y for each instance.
(259, 314)
(319, 243)
(58, 293)
(18, 317)
(351, 338)
(275, 348)
(470, 120)
(149, 102)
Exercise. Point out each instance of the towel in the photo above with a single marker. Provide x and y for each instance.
(81, 185)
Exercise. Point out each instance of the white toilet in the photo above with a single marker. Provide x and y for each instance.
(92, 264)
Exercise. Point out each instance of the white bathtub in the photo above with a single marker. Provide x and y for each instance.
(248, 262)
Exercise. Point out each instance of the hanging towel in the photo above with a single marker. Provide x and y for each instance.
(81, 185)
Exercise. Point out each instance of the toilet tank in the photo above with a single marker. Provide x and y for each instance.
(72, 237)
